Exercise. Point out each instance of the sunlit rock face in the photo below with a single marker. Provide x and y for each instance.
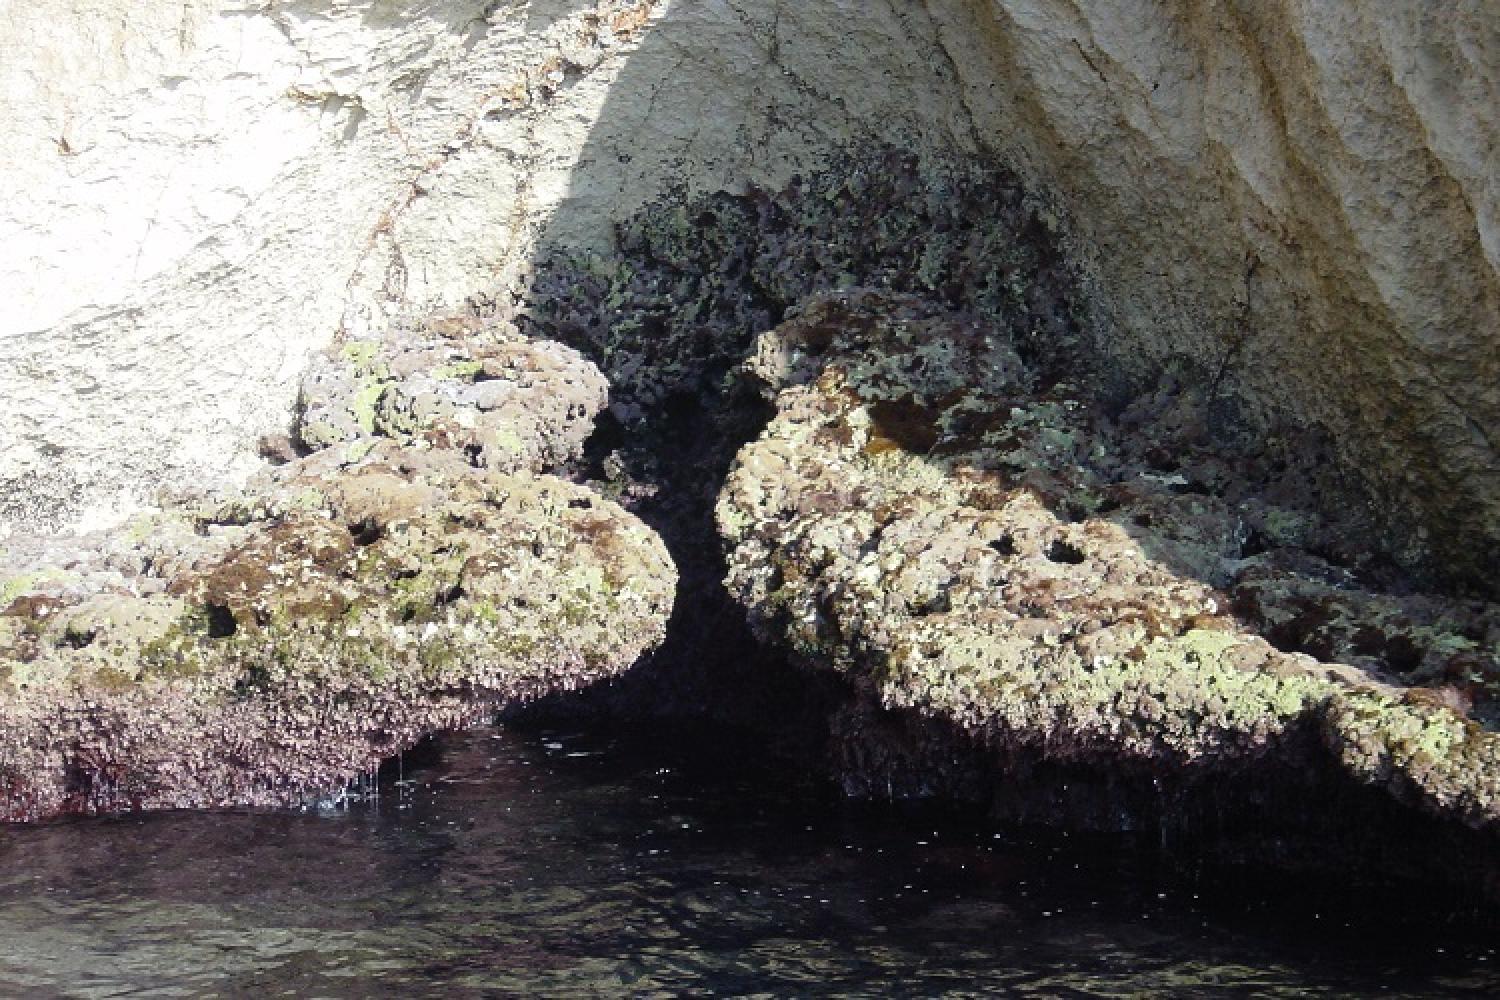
(205, 193)
(1294, 200)
(210, 191)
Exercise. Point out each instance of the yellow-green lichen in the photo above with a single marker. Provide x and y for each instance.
(361, 353)
(465, 371)
(22, 584)
(366, 399)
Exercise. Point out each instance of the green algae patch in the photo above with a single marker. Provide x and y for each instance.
(361, 354)
(14, 587)
(364, 404)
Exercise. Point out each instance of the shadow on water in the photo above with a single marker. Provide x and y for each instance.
(564, 863)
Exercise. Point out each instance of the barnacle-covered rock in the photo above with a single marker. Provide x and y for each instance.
(267, 647)
(995, 554)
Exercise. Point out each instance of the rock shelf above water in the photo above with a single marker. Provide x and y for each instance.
(1025, 568)
(412, 574)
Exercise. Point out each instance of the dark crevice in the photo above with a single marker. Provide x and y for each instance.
(1061, 552)
(221, 623)
(76, 638)
(366, 532)
(672, 313)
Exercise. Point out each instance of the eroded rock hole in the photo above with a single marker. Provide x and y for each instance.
(1402, 654)
(366, 531)
(221, 623)
(78, 638)
(1061, 552)
(1191, 487)
(1162, 461)
(1305, 632)
(939, 603)
(1256, 543)
(908, 424)
(1292, 638)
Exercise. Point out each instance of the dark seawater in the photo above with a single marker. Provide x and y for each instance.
(511, 863)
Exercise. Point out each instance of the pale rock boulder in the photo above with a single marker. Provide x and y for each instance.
(265, 648)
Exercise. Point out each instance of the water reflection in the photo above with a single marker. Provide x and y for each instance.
(564, 864)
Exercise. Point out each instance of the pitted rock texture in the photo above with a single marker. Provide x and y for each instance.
(506, 402)
(970, 542)
(265, 648)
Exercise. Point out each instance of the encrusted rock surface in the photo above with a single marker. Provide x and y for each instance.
(506, 402)
(970, 542)
(1256, 266)
(411, 575)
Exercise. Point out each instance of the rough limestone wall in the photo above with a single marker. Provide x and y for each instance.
(1301, 194)
(207, 192)
(200, 184)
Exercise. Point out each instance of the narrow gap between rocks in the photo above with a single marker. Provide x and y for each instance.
(672, 316)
